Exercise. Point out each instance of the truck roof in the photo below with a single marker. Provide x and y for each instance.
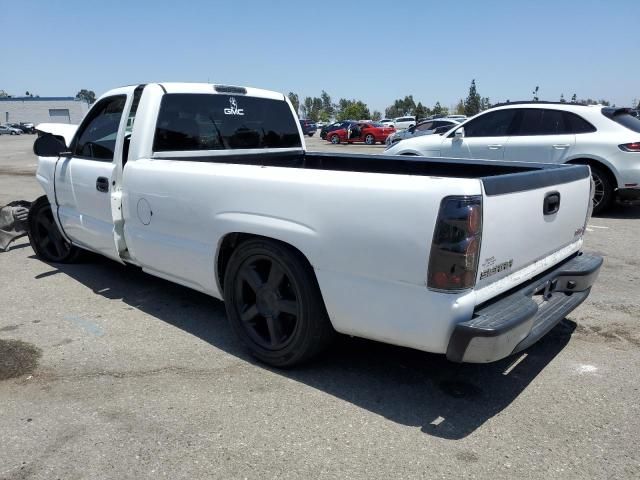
(215, 88)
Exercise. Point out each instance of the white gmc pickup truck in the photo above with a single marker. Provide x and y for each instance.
(210, 186)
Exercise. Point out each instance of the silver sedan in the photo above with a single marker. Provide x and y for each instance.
(7, 130)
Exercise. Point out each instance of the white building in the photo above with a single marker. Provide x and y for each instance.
(42, 109)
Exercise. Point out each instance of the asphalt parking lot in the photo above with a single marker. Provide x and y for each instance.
(106, 372)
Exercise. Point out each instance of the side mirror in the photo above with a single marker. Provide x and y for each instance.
(49, 145)
(459, 134)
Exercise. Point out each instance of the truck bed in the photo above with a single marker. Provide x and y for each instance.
(497, 177)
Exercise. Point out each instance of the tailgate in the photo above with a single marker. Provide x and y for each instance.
(522, 233)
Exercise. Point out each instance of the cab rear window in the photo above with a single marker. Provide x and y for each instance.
(223, 122)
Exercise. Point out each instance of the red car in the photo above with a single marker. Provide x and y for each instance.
(366, 132)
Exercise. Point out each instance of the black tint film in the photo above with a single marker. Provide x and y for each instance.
(219, 122)
(576, 124)
(493, 124)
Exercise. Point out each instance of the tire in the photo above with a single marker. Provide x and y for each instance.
(310, 134)
(335, 139)
(274, 304)
(13, 133)
(45, 238)
(370, 139)
(603, 190)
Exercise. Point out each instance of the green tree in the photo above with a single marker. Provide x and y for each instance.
(327, 106)
(472, 103)
(485, 103)
(4, 94)
(376, 115)
(307, 107)
(574, 98)
(88, 96)
(535, 94)
(401, 107)
(295, 101)
(439, 111)
(420, 111)
(352, 110)
(562, 100)
(459, 110)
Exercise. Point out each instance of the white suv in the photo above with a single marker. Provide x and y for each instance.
(400, 123)
(605, 138)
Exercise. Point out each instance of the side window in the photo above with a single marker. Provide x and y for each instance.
(576, 124)
(553, 122)
(96, 137)
(539, 121)
(426, 126)
(492, 124)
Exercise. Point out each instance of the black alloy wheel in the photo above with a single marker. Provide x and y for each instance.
(45, 237)
(274, 303)
(268, 301)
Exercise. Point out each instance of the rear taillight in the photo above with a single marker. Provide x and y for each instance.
(455, 249)
(630, 147)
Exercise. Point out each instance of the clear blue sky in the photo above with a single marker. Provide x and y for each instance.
(367, 49)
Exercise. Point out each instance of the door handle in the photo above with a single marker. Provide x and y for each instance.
(102, 184)
(495, 147)
(561, 146)
(551, 203)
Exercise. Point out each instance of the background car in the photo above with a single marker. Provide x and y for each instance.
(605, 138)
(400, 123)
(368, 133)
(387, 122)
(334, 126)
(459, 118)
(309, 127)
(426, 127)
(7, 130)
(23, 127)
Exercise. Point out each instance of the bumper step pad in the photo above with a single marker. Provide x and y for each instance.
(515, 321)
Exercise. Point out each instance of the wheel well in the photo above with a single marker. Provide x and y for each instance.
(601, 166)
(231, 241)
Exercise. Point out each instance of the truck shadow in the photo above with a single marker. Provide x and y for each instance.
(412, 388)
(623, 212)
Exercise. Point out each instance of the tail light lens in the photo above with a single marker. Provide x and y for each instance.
(455, 249)
(630, 147)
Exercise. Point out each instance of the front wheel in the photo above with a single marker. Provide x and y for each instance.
(335, 139)
(310, 134)
(370, 140)
(45, 238)
(603, 191)
(13, 133)
(274, 304)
